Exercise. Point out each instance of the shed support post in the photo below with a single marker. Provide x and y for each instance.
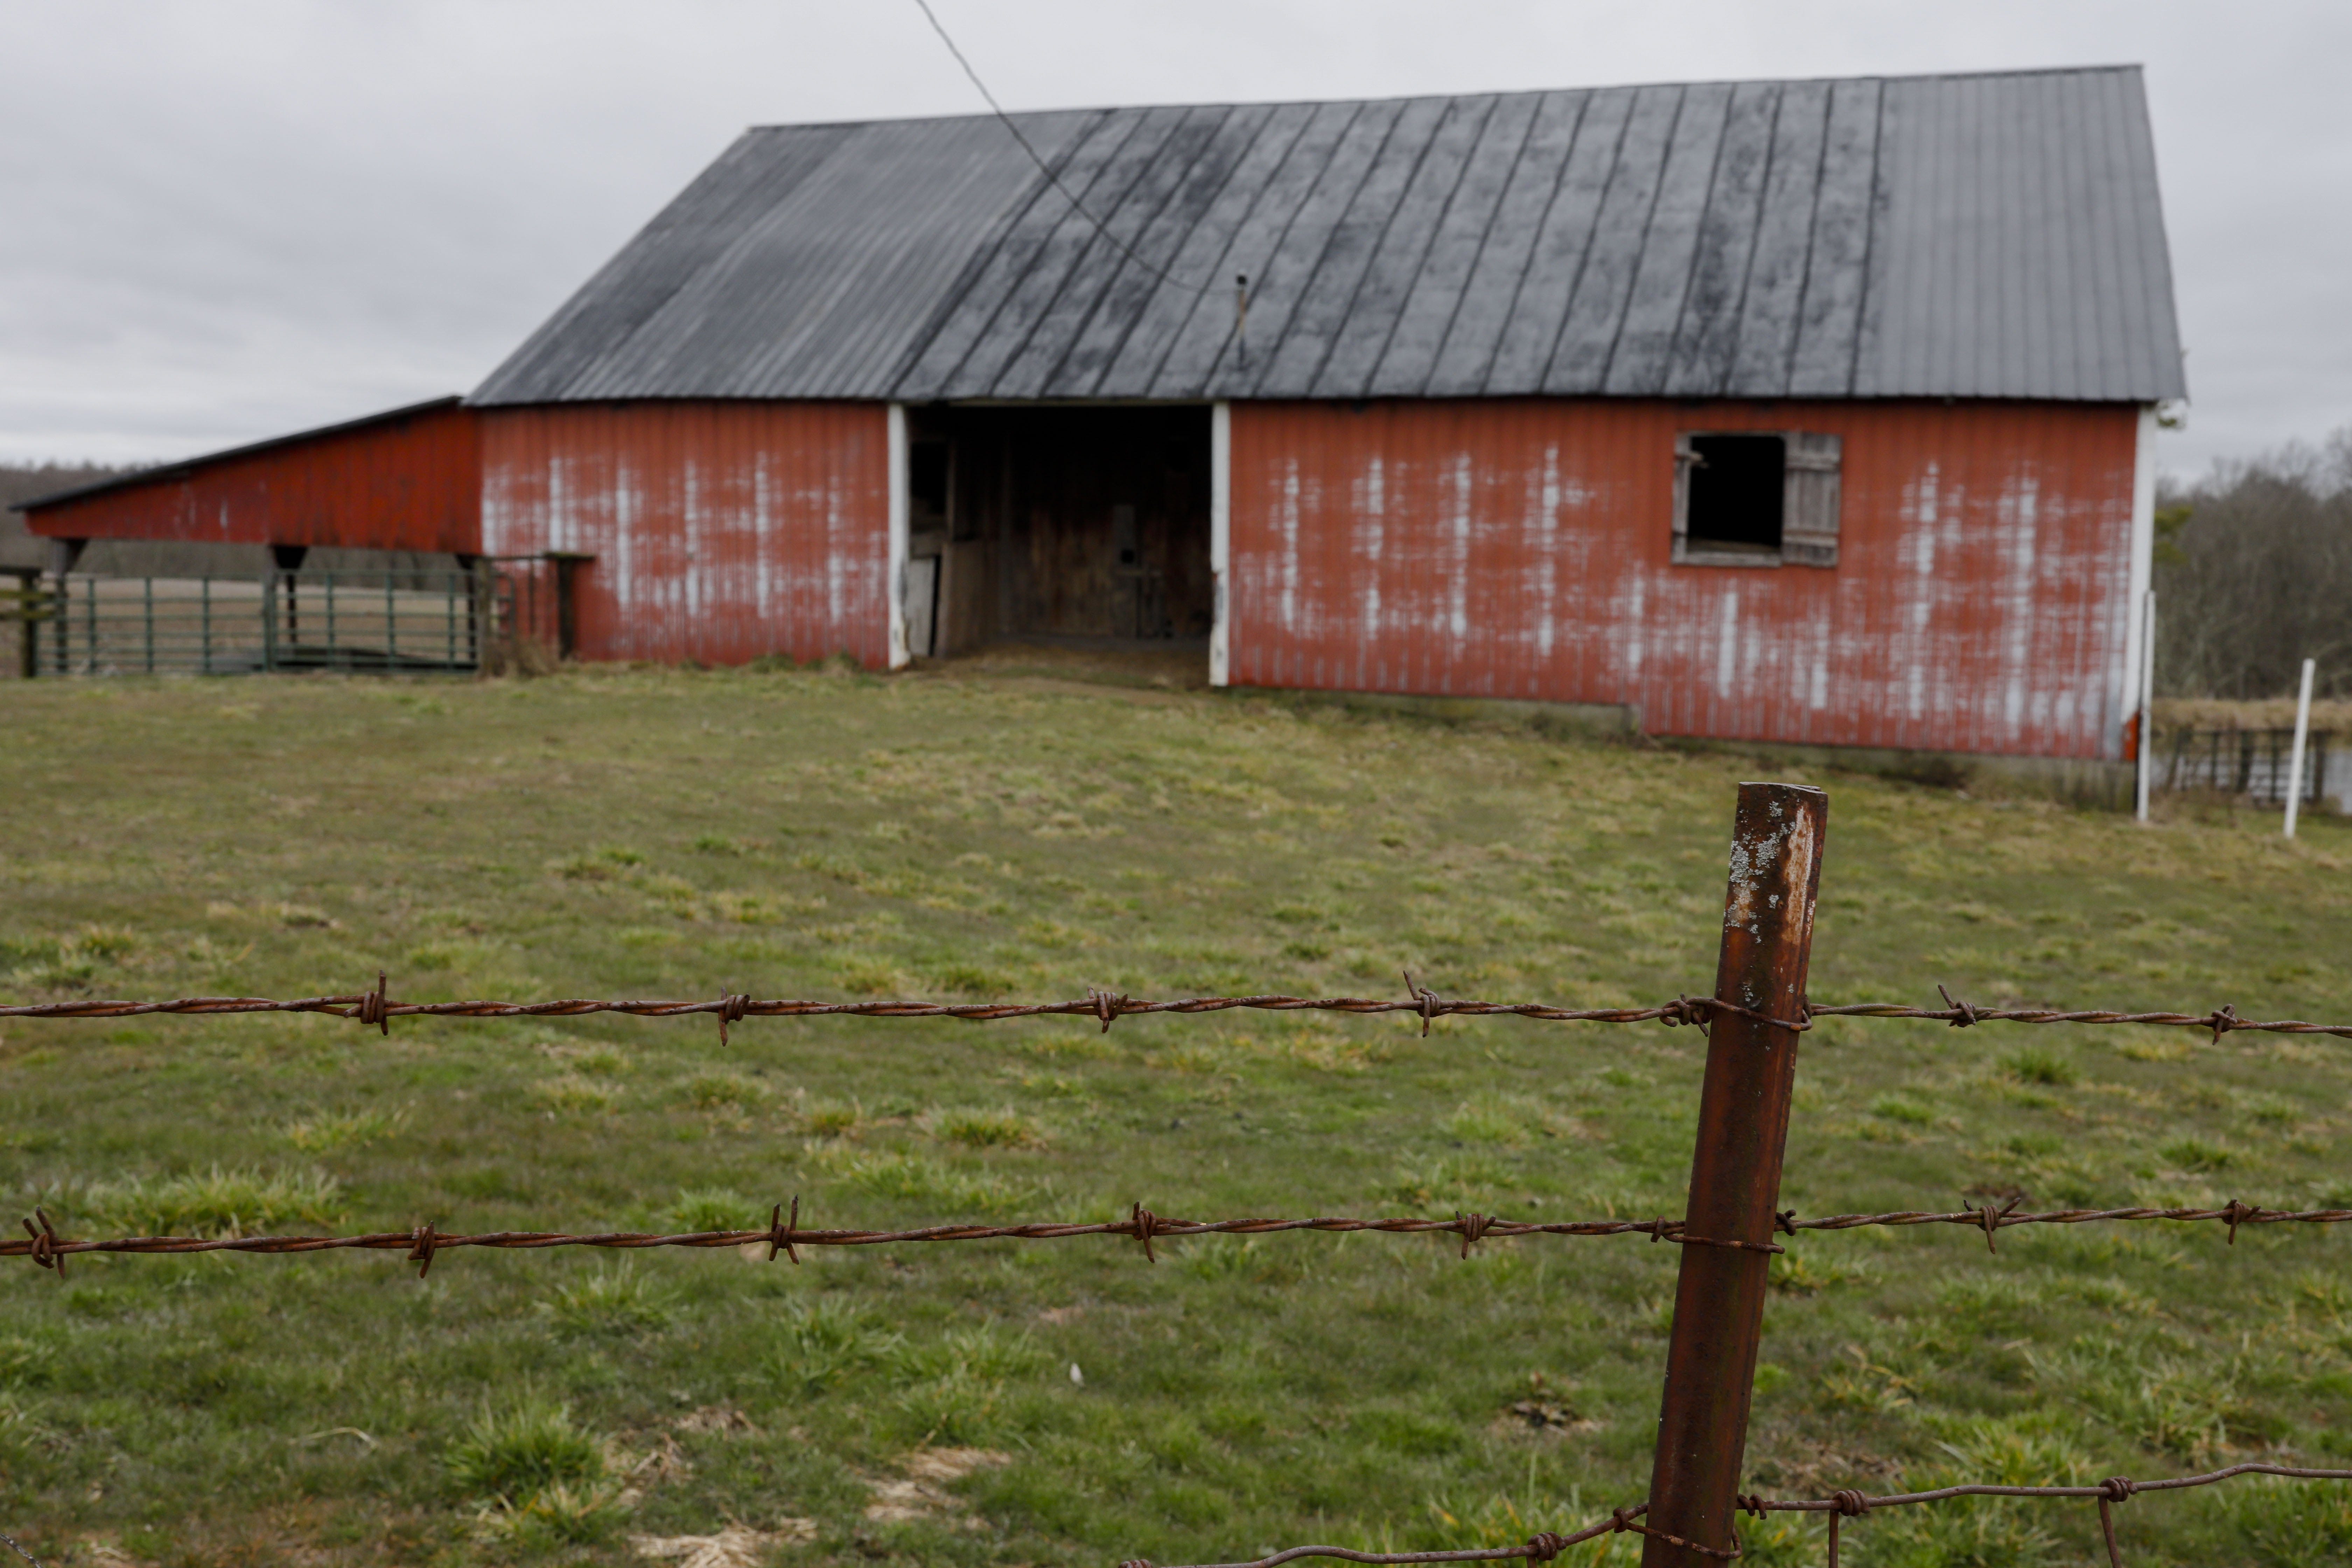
(64, 555)
(28, 625)
(1743, 1130)
(288, 559)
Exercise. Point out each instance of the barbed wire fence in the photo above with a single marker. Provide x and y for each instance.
(1752, 1024)
(375, 1007)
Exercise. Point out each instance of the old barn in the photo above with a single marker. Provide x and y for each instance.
(1814, 412)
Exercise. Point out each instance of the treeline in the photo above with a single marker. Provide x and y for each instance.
(2254, 576)
(21, 482)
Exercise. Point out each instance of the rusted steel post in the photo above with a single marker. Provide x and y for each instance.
(1743, 1130)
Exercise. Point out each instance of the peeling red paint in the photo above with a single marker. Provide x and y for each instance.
(1522, 549)
(722, 531)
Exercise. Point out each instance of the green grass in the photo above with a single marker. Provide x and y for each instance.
(819, 834)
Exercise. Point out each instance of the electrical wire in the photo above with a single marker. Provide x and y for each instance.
(1047, 169)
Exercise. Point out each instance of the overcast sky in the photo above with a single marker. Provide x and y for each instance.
(224, 220)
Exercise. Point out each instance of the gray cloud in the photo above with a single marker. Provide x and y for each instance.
(228, 219)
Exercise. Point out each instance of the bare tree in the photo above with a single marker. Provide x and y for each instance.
(2254, 576)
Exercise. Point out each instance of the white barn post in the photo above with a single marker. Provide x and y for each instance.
(897, 568)
(2147, 772)
(1221, 527)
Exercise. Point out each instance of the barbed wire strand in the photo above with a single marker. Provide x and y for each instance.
(1544, 1546)
(784, 1234)
(376, 1007)
(18, 1549)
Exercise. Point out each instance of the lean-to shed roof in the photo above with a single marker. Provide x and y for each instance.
(1994, 236)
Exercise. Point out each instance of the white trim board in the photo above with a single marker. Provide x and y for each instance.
(1220, 528)
(897, 567)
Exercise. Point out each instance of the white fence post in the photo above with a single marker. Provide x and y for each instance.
(2294, 763)
(2146, 707)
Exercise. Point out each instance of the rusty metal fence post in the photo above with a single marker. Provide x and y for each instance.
(1743, 1130)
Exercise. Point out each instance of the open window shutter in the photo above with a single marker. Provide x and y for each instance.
(1809, 515)
(1686, 458)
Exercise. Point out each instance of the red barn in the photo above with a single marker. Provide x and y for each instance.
(1805, 411)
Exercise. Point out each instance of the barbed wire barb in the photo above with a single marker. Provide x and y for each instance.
(1839, 1506)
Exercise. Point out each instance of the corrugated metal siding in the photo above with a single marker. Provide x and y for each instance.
(720, 531)
(1981, 236)
(411, 481)
(1522, 550)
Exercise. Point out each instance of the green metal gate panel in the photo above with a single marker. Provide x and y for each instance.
(386, 622)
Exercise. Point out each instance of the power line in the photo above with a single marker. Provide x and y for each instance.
(1241, 284)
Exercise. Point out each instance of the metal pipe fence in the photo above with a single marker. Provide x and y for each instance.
(2255, 764)
(1754, 1022)
(392, 622)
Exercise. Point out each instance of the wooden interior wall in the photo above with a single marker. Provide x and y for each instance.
(720, 531)
(1522, 549)
(1037, 489)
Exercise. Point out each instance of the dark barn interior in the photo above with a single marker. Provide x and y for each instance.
(1087, 527)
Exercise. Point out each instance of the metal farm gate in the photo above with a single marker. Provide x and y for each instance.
(385, 622)
(388, 621)
(2250, 762)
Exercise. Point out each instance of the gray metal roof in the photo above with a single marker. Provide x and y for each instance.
(1994, 236)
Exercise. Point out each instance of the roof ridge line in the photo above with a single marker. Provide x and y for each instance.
(2099, 69)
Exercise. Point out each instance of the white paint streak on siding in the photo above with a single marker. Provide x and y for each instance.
(1726, 641)
(763, 535)
(1285, 524)
(2019, 513)
(697, 589)
(498, 521)
(561, 528)
(1547, 553)
(625, 543)
(1636, 631)
(1919, 513)
(837, 544)
(1458, 587)
(1373, 506)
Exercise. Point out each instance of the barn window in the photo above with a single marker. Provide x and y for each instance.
(1756, 498)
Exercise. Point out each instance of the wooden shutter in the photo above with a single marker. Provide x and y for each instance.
(1686, 458)
(1809, 507)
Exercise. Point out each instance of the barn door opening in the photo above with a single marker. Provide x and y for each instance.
(1086, 528)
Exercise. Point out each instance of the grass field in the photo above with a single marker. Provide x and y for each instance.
(821, 833)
